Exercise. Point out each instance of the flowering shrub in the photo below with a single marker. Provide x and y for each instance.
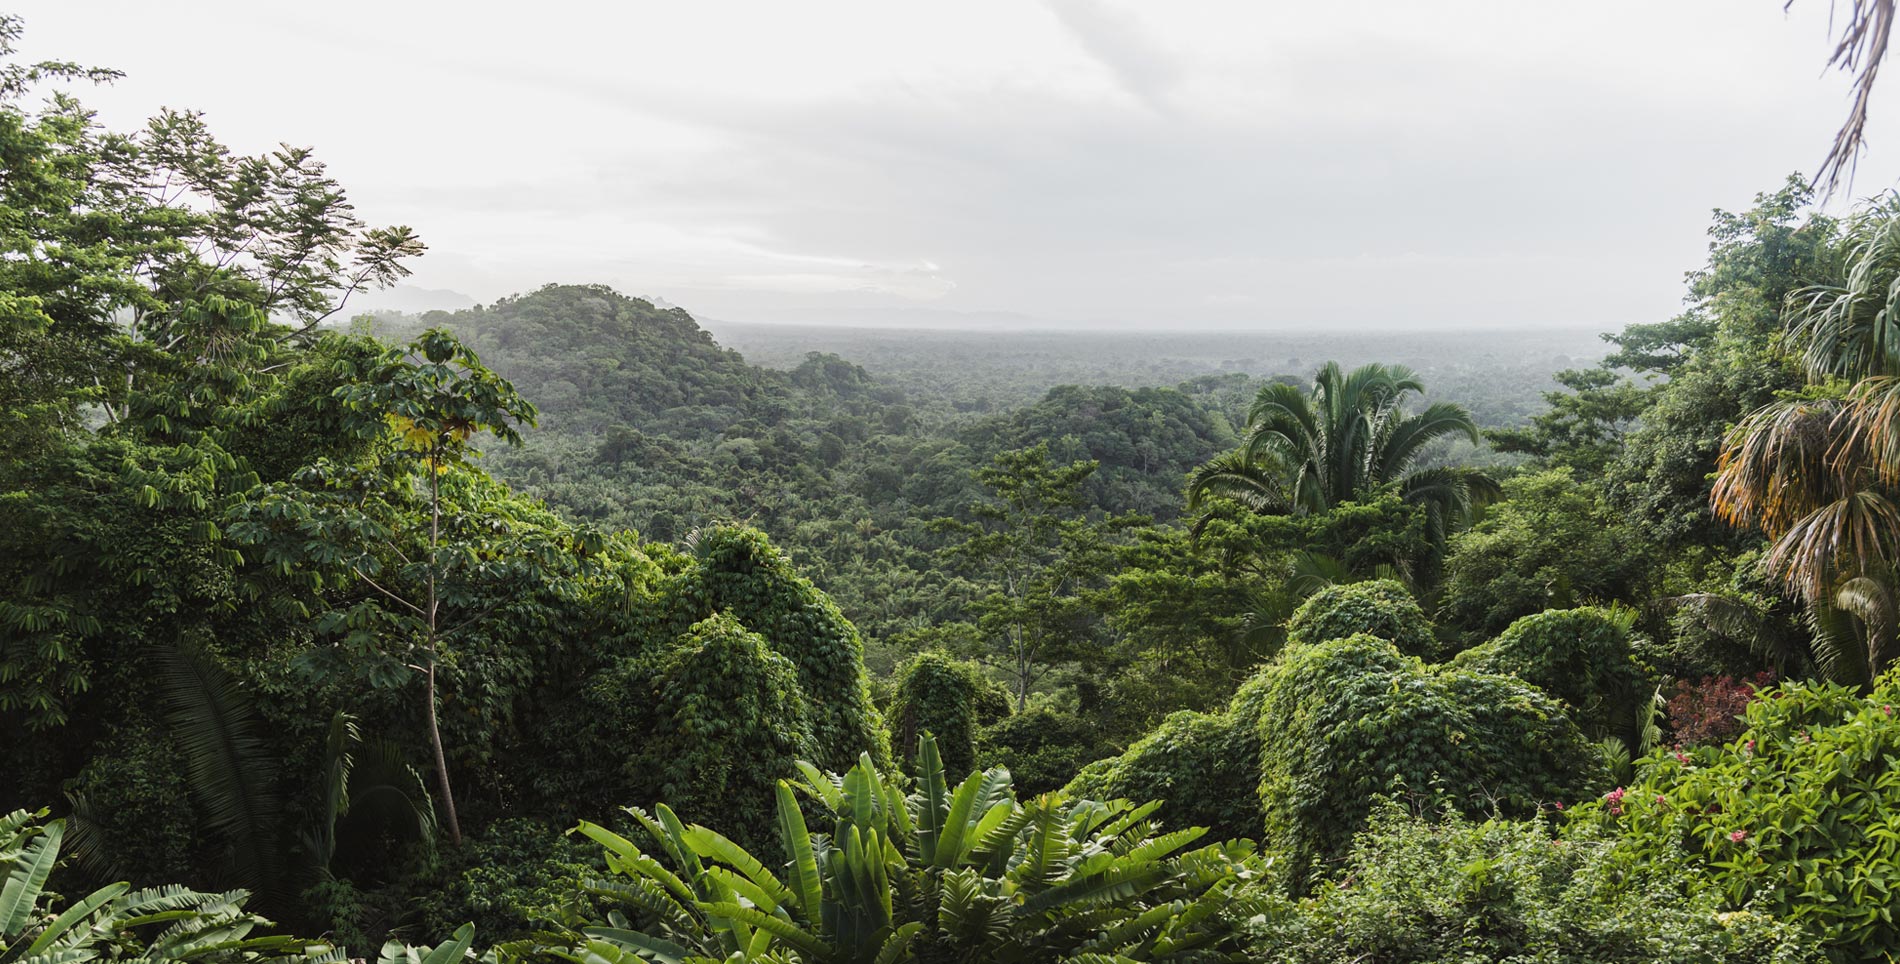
(1799, 818)
(1711, 711)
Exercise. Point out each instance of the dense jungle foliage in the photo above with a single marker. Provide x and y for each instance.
(554, 630)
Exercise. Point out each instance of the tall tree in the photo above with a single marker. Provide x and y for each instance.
(1037, 558)
(402, 524)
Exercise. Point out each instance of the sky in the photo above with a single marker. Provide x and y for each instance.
(1383, 164)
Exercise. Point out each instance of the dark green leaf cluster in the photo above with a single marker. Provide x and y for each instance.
(739, 573)
(949, 873)
(161, 925)
(943, 697)
(1553, 543)
(517, 877)
(1043, 747)
(725, 719)
(1206, 767)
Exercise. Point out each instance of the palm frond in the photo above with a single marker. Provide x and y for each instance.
(231, 771)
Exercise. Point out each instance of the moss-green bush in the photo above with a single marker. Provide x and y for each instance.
(1382, 608)
(1580, 656)
(1347, 720)
(516, 877)
(1798, 817)
(937, 695)
(739, 573)
(1458, 892)
(712, 670)
(1043, 747)
(728, 722)
(1203, 766)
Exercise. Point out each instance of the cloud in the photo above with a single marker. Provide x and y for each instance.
(1465, 161)
(1117, 40)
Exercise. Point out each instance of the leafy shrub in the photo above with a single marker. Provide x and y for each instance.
(1454, 892)
(1043, 747)
(937, 695)
(1711, 711)
(1552, 543)
(1799, 817)
(1735, 627)
(728, 721)
(1382, 608)
(1347, 720)
(1204, 766)
(964, 873)
(159, 925)
(740, 573)
(137, 819)
(1580, 656)
(515, 878)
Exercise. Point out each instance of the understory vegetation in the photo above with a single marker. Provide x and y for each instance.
(554, 630)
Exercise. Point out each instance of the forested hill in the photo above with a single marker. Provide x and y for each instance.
(594, 358)
(647, 423)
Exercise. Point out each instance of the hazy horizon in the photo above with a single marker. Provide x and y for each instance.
(1070, 163)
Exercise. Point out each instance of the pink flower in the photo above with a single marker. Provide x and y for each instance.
(1614, 796)
(1682, 758)
(1616, 811)
(1660, 801)
(1887, 710)
(1749, 746)
(1738, 836)
(1560, 804)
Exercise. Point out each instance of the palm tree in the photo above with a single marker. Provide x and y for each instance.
(1347, 439)
(1818, 474)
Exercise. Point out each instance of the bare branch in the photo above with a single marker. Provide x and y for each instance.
(360, 574)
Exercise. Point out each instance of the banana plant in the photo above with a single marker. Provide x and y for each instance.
(968, 873)
(159, 925)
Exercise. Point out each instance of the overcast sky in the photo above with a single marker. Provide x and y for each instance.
(1247, 164)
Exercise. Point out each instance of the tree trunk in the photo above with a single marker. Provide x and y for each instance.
(1022, 677)
(442, 765)
(435, 727)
